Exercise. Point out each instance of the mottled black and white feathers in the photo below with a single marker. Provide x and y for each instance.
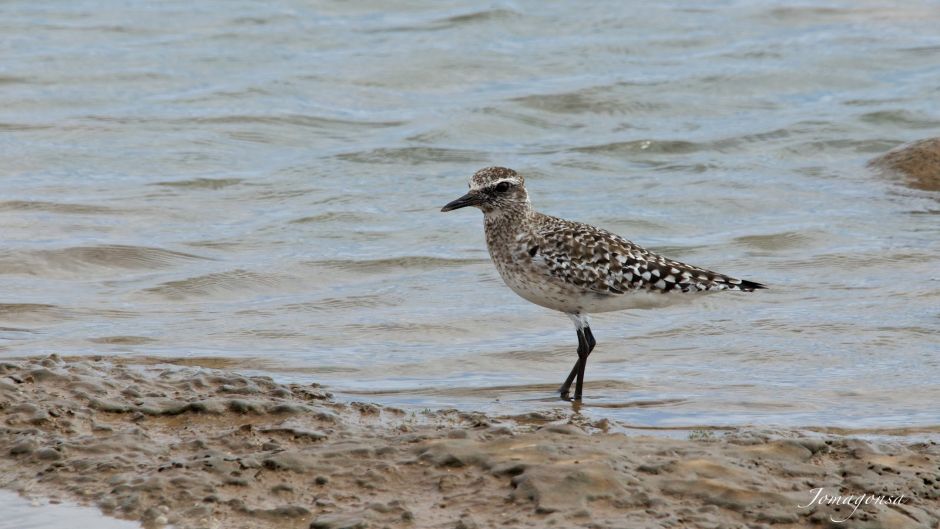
(606, 263)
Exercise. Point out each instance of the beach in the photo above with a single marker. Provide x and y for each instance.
(193, 447)
(229, 298)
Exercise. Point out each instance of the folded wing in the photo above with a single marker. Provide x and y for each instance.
(607, 264)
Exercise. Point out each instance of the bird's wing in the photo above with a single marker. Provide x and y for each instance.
(608, 264)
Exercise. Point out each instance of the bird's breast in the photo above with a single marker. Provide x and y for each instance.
(516, 259)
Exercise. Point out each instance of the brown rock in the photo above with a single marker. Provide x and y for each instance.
(918, 162)
(337, 521)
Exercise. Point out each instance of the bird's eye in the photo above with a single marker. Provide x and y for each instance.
(502, 187)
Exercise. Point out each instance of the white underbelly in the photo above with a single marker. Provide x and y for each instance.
(554, 294)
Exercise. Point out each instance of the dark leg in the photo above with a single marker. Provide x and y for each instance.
(583, 353)
(587, 347)
(566, 386)
(586, 343)
(582, 346)
(590, 339)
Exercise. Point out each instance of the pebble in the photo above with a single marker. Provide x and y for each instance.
(48, 454)
(337, 521)
(23, 447)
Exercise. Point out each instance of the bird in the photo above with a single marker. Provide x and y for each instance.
(576, 268)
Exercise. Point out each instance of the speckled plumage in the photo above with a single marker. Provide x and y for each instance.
(591, 270)
(573, 267)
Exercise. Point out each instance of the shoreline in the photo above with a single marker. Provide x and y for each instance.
(257, 366)
(203, 448)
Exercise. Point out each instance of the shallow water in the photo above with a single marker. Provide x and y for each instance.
(20, 513)
(258, 186)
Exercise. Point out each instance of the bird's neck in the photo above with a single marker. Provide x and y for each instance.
(505, 224)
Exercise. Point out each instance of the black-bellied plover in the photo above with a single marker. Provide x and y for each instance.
(576, 268)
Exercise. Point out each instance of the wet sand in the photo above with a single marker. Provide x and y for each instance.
(205, 448)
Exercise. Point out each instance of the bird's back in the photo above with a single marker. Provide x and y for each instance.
(576, 267)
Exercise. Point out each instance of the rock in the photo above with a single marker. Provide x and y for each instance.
(466, 523)
(567, 488)
(337, 521)
(918, 162)
(283, 511)
(297, 433)
(48, 454)
(287, 461)
(566, 429)
(26, 446)
(45, 375)
(26, 408)
(454, 453)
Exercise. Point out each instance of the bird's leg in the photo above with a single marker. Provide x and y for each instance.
(586, 343)
(591, 342)
(566, 386)
(590, 338)
(583, 351)
(581, 364)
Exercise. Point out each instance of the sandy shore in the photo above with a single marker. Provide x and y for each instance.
(202, 448)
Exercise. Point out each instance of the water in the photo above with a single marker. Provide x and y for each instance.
(20, 513)
(257, 185)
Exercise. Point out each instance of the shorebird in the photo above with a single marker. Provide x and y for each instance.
(573, 267)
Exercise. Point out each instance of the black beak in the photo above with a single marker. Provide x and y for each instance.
(470, 199)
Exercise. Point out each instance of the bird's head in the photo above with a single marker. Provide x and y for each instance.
(493, 190)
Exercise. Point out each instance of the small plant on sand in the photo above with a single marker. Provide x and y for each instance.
(701, 435)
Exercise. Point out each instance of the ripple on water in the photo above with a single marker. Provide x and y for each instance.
(597, 100)
(632, 147)
(201, 183)
(867, 146)
(78, 259)
(45, 313)
(539, 391)
(438, 24)
(412, 262)
(841, 262)
(121, 256)
(775, 241)
(15, 127)
(345, 303)
(292, 120)
(415, 155)
(56, 207)
(233, 282)
(901, 118)
(31, 312)
(122, 340)
(333, 216)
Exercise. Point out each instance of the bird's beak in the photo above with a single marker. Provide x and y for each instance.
(470, 199)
